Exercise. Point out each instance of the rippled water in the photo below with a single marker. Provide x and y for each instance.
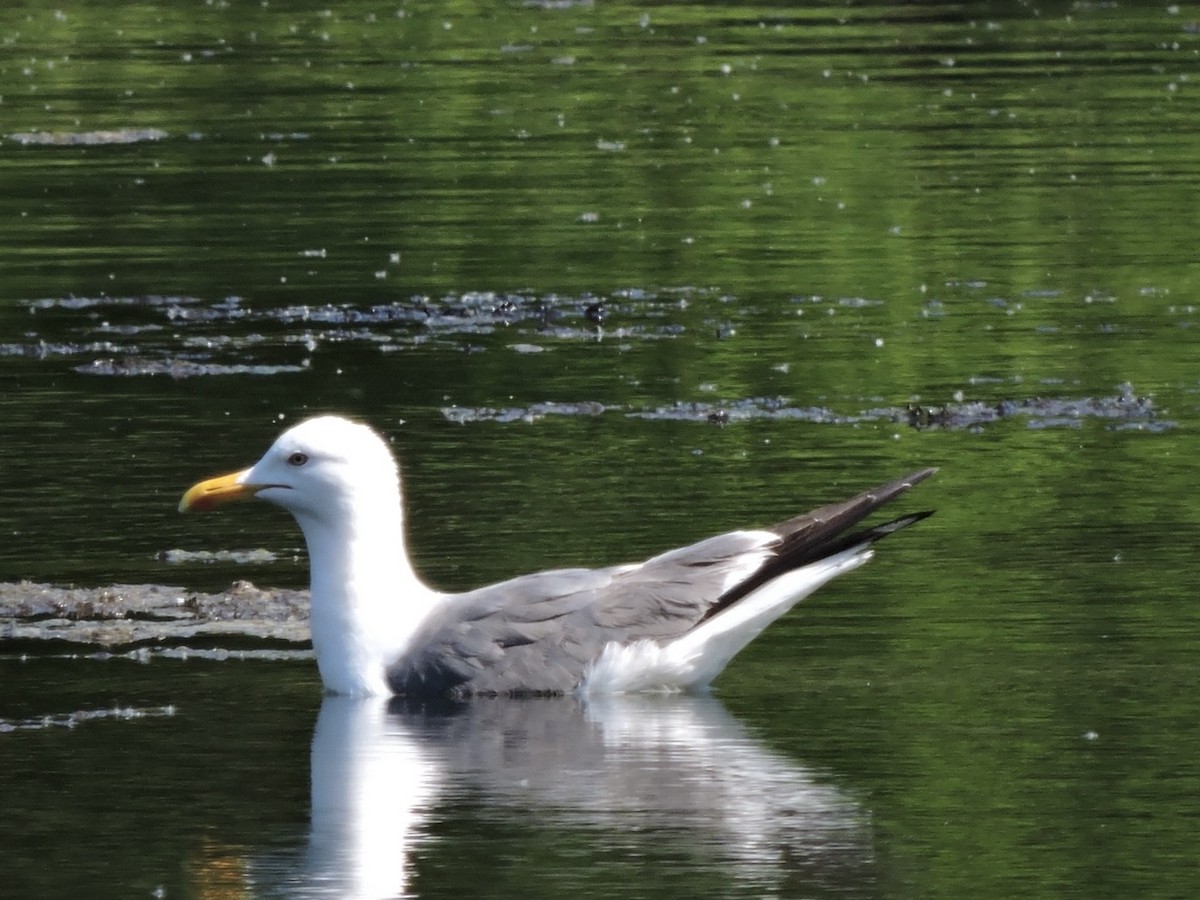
(612, 277)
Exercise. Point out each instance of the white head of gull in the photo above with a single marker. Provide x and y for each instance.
(670, 623)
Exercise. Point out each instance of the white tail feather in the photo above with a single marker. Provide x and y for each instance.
(698, 657)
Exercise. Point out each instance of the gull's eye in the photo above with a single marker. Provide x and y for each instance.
(297, 459)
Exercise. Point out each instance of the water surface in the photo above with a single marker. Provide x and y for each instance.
(613, 277)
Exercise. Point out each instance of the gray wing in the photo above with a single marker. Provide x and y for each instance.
(538, 633)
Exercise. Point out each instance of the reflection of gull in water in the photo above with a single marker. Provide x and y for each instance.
(372, 785)
(670, 777)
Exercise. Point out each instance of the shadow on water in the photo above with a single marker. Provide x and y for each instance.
(603, 794)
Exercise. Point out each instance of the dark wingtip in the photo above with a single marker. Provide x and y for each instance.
(824, 532)
(882, 531)
(839, 516)
(904, 483)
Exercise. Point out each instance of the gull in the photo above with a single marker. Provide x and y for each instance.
(670, 623)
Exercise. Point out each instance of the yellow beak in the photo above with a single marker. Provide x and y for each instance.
(215, 491)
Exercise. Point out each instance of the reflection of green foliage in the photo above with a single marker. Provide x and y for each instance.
(907, 203)
(769, 149)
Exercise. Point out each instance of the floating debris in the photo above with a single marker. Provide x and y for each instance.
(463, 415)
(87, 138)
(76, 303)
(144, 655)
(596, 313)
(241, 557)
(47, 349)
(217, 654)
(727, 412)
(126, 615)
(1124, 411)
(79, 717)
(184, 337)
(180, 368)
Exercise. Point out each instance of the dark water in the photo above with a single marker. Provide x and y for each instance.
(866, 238)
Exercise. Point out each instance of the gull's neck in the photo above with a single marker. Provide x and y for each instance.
(366, 599)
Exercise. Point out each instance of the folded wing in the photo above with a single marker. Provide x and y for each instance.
(541, 633)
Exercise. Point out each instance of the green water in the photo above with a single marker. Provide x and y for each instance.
(847, 207)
